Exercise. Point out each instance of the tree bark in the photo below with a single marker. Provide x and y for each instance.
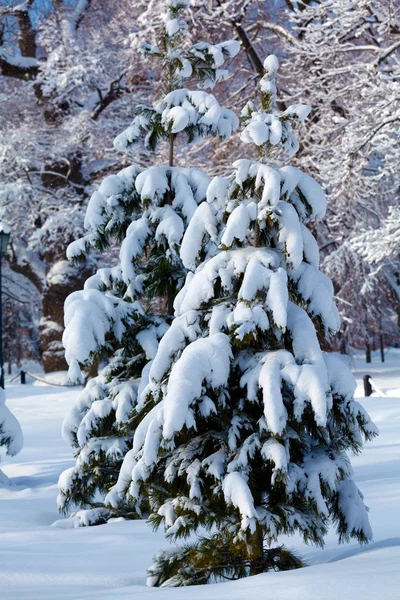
(171, 292)
(381, 342)
(256, 241)
(257, 551)
(27, 34)
(367, 352)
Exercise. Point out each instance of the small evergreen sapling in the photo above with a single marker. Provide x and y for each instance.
(146, 211)
(245, 425)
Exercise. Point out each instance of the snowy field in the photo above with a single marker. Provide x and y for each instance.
(107, 562)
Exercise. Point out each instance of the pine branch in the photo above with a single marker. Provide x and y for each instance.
(374, 132)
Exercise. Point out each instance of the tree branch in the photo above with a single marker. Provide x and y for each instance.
(12, 297)
(247, 45)
(280, 32)
(76, 17)
(389, 51)
(105, 98)
(19, 67)
(374, 132)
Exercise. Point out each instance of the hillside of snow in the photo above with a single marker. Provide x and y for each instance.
(107, 562)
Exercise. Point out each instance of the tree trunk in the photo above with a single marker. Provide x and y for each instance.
(171, 293)
(367, 352)
(257, 551)
(342, 344)
(256, 241)
(382, 347)
(171, 151)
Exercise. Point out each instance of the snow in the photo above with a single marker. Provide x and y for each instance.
(270, 180)
(132, 247)
(178, 111)
(212, 359)
(299, 111)
(310, 247)
(201, 223)
(176, 3)
(109, 562)
(317, 289)
(237, 226)
(314, 195)
(290, 234)
(237, 492)
(25, 62)
(350, 501)
(182, 328)
(11, 436)
(270, 383)
(60, 273)
(277, 297)
(4, 228)
(271, 64)
(177, 118)
(274, 451)
(172, 26)
(89, 315)
(254, 263)
(170, 225)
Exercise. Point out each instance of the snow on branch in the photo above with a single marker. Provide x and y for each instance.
(76, 17)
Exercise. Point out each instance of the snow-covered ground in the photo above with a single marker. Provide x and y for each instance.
(108, 562)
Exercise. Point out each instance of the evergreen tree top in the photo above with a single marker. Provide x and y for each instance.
(201, 61)
(269, 128)
(181, 110)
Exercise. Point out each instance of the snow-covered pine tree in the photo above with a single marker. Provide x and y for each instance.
(146, 211)
(246, 424)
(11, 437)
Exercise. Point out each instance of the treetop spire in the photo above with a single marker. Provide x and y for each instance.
(268, 84)
(181, 110)
(270, 129)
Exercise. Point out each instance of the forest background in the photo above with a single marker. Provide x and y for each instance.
(70, 77)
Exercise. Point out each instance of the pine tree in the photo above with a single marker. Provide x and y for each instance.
(10, 430)
(10, 433)
(119, 314)
(245, 424)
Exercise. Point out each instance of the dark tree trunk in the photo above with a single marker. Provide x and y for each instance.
(171, 293)
(367, 352)
(257, 551)
(367, 386)
(342, 344)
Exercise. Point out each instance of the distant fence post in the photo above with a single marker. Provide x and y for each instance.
(367, 385)
(23, 377)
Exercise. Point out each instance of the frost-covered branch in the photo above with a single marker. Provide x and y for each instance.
(20, 67)
(373, 133)
(114, 91)
(78, 14)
